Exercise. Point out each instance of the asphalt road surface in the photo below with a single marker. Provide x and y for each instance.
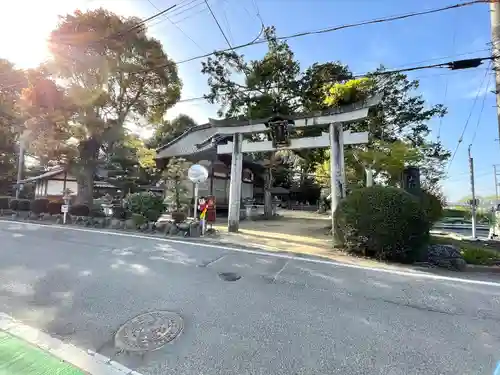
(283, 316)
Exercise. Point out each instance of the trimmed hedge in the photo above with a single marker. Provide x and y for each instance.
(453, 212)
(138, 219)
(54, 207)
(97, 213)
(121, 213)
(432, 205)
(145, 204)
(382, 222)
(153, 215)
(14, 204)
(39, 206)
(4, 203)
(79, 210)
(24, 205)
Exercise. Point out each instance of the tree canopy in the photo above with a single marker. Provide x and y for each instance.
(11, 83)
(276, 83)
(168, 130)
(109, 73)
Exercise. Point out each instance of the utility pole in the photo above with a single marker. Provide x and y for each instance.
(495, 173)
(495, 42)
(473, 191)
(20, 167)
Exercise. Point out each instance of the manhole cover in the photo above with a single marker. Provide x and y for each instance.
(149, 331)
(229, 276)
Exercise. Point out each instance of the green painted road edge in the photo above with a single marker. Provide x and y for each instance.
(25, 350)
(17, 357)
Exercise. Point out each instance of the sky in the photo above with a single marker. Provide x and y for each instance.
(189, 30)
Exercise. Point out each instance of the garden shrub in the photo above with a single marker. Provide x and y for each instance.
(39, 206)
(153, 215)
(121, 213)
(4, 203)
(54, 207)
(24, 205)
(142, 203)
(382, 222)
(432, 206)
(452, 212)
(79, 210)
(138, 219)
(97, 212)
(14, 204)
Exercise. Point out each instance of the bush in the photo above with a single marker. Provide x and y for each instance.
(179, 217)
(14, 204)
(142, 203)
(138, 219)
(451, 212)
(4, 203)
(79, 210)
(382, 222)
(97, 213)
(153, 215)
(39, 206)
(432, 206)
(121, 213)
(54, 207)
(476, 253)
(24, 205)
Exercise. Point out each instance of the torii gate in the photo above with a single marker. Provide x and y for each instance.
(279, 129)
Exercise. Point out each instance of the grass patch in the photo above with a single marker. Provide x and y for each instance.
(484, 253)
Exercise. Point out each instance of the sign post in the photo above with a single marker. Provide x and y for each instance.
(65, 207)
(197, 173)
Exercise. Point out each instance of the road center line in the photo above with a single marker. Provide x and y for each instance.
(407, 273)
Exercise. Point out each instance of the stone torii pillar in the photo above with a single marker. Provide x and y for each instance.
(235, 184)
(278, 128)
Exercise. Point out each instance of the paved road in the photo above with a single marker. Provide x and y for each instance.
(284, 316)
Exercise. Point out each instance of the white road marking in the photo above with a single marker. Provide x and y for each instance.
(408, 273)
(86, 360)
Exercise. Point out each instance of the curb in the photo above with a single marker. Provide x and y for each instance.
(86, 360)
(482, 269)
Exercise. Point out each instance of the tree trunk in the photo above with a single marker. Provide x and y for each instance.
(85, 181)
(177, 196)
(268, 199)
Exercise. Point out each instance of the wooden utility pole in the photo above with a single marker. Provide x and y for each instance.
(495, 43)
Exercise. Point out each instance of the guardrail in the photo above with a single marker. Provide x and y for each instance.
(460, 226)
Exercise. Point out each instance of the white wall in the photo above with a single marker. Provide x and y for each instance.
(56, 187)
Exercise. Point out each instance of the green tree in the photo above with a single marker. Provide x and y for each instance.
(131, 164)
(169, 130)
(174, 177)
(398, 130)
(112, 74)
(12, 81)
(258, 89)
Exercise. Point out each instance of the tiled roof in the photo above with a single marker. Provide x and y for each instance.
(50, 173)
(194, 140)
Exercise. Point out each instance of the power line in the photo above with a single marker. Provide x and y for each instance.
(447, 81)
(482, 109)
(178, 12)
(219, 26)
(228, 25)
(341, 27)
(468, 120)
(178, 27)
(449, 64)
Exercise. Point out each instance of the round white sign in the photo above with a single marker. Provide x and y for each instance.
(197, 173)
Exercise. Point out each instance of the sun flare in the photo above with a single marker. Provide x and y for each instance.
(26, 25)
